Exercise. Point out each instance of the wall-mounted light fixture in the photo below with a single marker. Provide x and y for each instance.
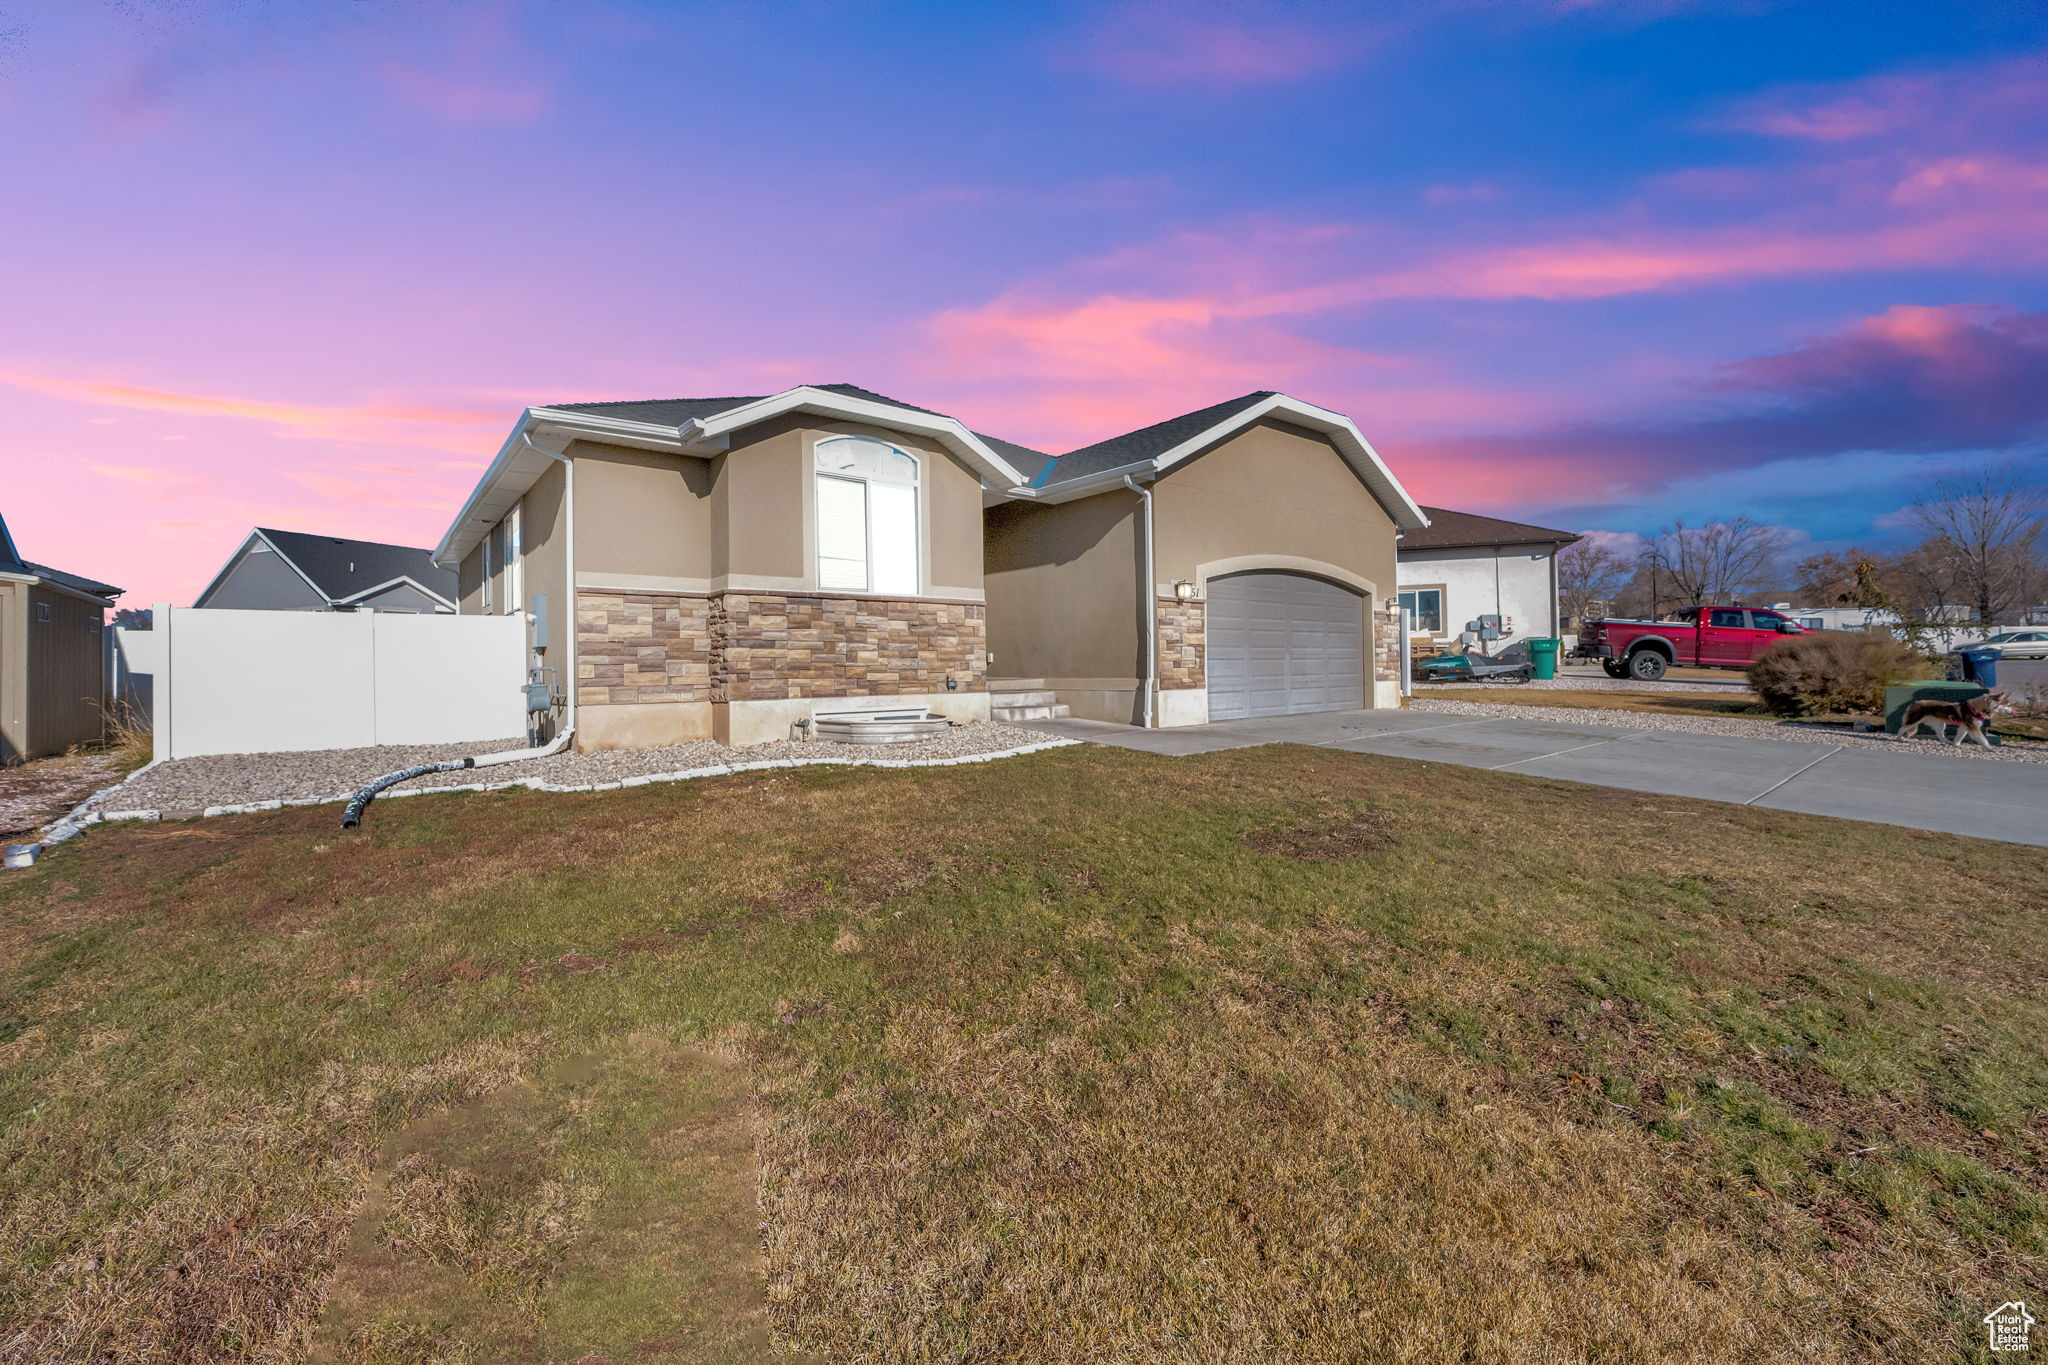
(1184, 589)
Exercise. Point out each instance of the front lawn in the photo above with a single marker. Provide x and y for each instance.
(1274, 1054)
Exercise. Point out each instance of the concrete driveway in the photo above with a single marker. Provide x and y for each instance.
(2003, 801)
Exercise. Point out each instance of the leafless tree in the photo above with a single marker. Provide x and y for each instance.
(1589, 573)
(1719, 560)
(1990, 521)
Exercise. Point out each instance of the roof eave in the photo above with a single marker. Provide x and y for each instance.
(949, 431)
(1350, 441)
(516, 460)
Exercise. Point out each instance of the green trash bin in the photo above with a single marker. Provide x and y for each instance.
(1543, 654)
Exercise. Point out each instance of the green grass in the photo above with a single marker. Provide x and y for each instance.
(1090, 1055)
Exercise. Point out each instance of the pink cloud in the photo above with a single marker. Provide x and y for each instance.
(1065, 372)
(399, 424)
(1972, 99)
(1167, 45)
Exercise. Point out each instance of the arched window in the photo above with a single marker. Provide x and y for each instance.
(867, 516)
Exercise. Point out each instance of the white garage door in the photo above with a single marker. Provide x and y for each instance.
(1284, 643)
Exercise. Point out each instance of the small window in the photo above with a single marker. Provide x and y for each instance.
(1725, 618)
(1765, 620)
(1425, 607)
(867, 509)
(42, 611)
(512, 538)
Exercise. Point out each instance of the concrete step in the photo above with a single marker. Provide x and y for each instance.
(1040, 698)
(1010, 715)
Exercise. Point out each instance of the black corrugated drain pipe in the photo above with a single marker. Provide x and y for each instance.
(357, 804)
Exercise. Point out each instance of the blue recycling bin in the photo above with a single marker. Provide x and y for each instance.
(1980, 665)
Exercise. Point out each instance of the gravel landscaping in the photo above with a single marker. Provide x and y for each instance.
(1597, 681)
(2016, 751)
(191, 786)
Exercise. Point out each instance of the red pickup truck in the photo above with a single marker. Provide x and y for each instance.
(1698, 637)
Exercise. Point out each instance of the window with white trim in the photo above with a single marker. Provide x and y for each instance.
(1425, 608)
(867, 516)
(487, 567)
(512, 564)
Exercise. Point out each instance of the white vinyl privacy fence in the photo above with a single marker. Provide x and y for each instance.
(245, 682)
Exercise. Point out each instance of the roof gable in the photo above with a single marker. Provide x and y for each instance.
(1151, 452)
(342, 569)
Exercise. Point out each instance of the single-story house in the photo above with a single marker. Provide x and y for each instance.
(1463, 566)
(294, 571)
(723, 567)
(53, 672)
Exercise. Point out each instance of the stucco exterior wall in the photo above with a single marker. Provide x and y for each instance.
(1271, 490)
(469, 580)
(1514, 582)
(643, 519)
(1062, 599)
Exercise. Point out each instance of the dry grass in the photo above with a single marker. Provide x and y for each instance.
(1270, 1054)
(1607, 699)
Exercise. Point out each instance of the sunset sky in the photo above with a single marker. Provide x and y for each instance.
(1590, 263)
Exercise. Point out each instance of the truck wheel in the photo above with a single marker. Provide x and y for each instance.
(1646, 665)
(1613, 668)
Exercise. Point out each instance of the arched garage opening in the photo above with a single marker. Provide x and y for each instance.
(1281, 644)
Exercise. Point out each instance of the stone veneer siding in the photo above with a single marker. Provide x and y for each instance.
(751, 646)
(642, 647)
(1183, 643)
(776, 646)
(1386, 642)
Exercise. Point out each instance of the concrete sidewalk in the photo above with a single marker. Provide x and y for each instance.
(2003, 801)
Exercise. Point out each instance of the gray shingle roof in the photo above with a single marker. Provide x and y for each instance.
(1143, 444)
(71, 580)
(673, 412)
(1448, 530)
(342, 568)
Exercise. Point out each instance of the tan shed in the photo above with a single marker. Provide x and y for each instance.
(52, 657)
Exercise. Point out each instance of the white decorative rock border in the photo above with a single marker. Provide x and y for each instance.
(87, 813)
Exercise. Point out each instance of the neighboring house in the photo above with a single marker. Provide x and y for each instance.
(293, 571)
(1463, 566)
(52, 656)
(722, 567)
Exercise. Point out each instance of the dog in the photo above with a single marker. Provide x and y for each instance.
(1967, 716)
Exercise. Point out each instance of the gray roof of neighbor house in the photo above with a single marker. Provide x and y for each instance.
(1448, 530)
(673, 412)
(343, 568)
(12, 562)
(1142, 444)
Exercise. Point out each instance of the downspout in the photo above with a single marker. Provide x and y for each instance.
(1556, 617)
(1148, 677)
(566, 614)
